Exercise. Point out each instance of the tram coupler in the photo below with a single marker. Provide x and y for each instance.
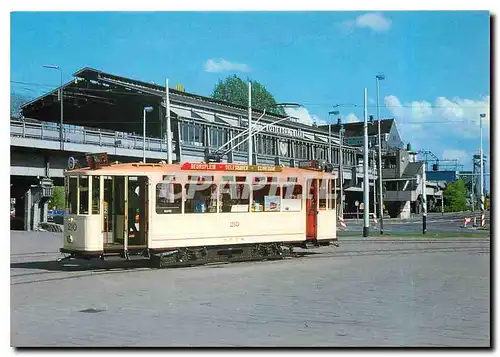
(68, 257)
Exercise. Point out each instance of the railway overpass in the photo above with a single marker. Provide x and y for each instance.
(36, 154)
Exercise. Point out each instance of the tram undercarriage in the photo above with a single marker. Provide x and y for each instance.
(189, 256)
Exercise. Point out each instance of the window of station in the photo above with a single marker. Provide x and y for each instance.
(266, 197)
(72, 195)
(83, 188)
(96, 189)
(200, 198)
(168, 198)
(291, 197)
(234, 197)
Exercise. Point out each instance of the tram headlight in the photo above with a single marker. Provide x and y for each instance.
(69, 239)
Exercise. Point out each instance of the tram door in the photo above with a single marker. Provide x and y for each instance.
(113, 210)
(125, 211)
(137, 210)
(312, 209)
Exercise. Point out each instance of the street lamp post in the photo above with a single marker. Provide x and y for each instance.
(250, 146)
(366, 196)
(146, 110)
(61, 130)
(341, 170)
(341, 166)
(381, 194)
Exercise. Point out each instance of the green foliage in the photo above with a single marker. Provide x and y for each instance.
(235, 90)
(57, 199)
(455, 196)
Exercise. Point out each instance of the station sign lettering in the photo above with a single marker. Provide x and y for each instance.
(229, 167)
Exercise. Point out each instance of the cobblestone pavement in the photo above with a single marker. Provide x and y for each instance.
(369, 293)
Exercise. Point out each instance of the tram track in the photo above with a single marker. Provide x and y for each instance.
(140, 265)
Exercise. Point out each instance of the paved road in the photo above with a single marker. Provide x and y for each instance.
(368, 292)
(436, 223)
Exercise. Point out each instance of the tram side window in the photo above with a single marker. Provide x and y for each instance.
(200, 198)
(323, 190)
(292, 198)
(168, 198)
(96, 187)
(72, 195)
(266, 198)
(84, 195)
(234, 197)
(333, 194)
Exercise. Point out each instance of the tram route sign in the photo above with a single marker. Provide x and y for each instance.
(229, 167)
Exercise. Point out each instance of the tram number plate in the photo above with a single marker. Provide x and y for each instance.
(234, 224)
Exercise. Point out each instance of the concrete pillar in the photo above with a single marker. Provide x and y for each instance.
(405, 210)
(47, 166)
(28, 212)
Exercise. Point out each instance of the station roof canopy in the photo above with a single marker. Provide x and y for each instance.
(356, 129)
(98, 99)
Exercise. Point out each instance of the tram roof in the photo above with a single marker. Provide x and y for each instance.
(119, 169)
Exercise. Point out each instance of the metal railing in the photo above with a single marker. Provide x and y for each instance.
(83, 135)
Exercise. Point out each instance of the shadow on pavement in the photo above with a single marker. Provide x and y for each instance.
(80, 265)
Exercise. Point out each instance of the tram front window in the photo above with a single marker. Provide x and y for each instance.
(72, 195)
(83, 188)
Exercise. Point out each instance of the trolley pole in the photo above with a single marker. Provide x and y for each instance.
(169, 133)
(424, 201)
(366, 196)
(250, 148)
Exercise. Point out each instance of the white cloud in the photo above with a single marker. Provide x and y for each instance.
(458, 115)
(461, 155)
(222, 65)
(304, 117)
(442, 125)
(350, 118)
(374, 21)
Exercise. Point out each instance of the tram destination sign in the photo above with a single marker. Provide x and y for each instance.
(229, 167)
(97, 160)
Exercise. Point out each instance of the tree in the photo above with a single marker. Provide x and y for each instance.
(57, 199)
(235, 90)
(16, 100)
(455, 196)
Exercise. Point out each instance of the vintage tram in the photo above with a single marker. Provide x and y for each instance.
(194, 213)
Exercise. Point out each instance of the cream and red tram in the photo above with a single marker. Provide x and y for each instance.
(196, 212)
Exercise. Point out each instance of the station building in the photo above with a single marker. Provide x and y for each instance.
(111, 103)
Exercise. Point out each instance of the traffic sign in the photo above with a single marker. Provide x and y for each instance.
(356, 203)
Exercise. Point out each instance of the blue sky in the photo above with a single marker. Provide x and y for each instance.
(437, 64)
